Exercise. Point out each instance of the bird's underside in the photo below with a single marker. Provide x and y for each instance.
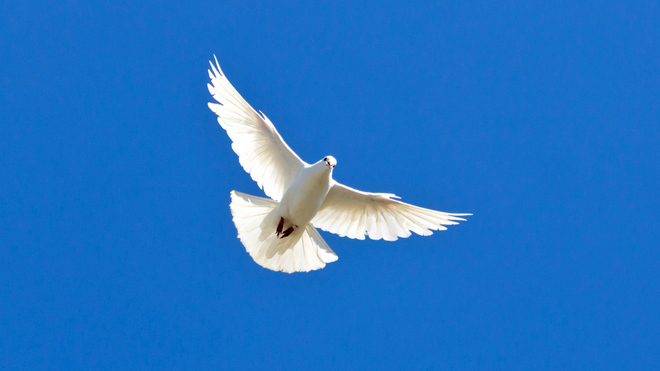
(279, 233)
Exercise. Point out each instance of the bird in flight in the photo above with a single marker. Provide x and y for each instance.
(280, 233)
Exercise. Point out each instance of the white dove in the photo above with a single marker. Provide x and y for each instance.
(279, 234)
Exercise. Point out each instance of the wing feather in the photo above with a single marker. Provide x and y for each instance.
(356, 214)
(260, 148)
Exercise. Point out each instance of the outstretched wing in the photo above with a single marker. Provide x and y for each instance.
(261, 150)
(356, 214)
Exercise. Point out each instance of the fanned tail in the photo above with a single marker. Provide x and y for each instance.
(256, 221)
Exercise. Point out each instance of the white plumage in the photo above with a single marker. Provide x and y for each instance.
(279, 234)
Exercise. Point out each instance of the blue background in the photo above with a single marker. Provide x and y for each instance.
(541, 118)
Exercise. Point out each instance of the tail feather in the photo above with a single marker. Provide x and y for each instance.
(256, 221)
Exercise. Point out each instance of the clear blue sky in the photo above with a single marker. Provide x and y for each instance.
(117, 249)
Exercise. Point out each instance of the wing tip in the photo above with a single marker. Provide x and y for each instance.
(217, 71)
(452, 216)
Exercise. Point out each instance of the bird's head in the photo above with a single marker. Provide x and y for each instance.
(330, 161)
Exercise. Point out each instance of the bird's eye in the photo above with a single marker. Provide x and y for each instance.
(325, 159)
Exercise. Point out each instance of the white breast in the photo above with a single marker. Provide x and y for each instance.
(304, 197)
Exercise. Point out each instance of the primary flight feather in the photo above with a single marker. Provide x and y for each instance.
(280, 233)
